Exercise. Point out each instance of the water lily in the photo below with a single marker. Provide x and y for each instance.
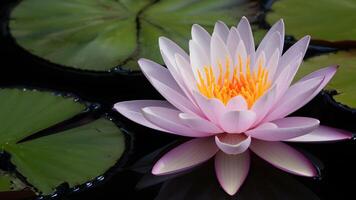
(233, 100)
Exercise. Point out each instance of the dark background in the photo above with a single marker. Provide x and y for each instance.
(21, 69)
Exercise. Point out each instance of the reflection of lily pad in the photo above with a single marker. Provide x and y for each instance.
(323, 19)
(100, 35)
(345, 79)
(72, 156)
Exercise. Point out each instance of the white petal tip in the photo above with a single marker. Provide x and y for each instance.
(158, 169)
(230, 191)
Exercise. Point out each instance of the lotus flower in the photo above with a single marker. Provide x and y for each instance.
(232, 100)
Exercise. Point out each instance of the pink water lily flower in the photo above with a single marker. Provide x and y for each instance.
(232, 100)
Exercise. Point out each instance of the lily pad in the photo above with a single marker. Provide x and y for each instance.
(327, 20)
(100, 35)
(48, 158)
(344, 81)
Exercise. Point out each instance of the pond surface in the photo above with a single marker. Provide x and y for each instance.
(133, 179)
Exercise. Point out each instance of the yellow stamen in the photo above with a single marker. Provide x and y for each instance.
(249, 84)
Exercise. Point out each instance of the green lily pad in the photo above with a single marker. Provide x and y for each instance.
(103, 34)
(74, 156)
(344, 81)
(322, 19)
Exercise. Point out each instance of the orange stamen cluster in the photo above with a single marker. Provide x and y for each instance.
(249, 84)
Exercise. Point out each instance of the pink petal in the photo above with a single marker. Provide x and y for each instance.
(284, 157)
(237, 103)
(201, 37)
(245, 32)
(274, 39)
(219, 55)
(287, 128)
(199, 124)
(186, 71)
(299, 47)
(233, 143)
(221, 30)
(212, 108)
(185, 156)
(273, 64)
(232, 170)
(177, 75)
(327, 73)
(294, 98)
(323, 134)
(169, 48)
(237, 121)
(264, 103)
(233, 40)
(198, 59)
(132, 110)
(168, 119)
(284, 79)
(164, 83)
(240, 52)
(260, 59)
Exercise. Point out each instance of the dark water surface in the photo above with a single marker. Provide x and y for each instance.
(335, 160)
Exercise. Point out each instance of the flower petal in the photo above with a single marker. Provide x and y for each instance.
(169, 48)
(232, 170)
(327, 73)
(233, 40)
(176, 73)
(264, 103)
(274, 39)
(245, 32)
(273, 64)
(294, 98)
(186, 71)
(287, 128)
(323, 134)
(201, 37)
(198, 58)
(221, 30)
(233, 143)
(219, 55)
(284, 157)
(185, 156)
(164, 83)
(237, 121)
(168, 119)
(199, 124)
(299, 47)
(240, 56)
(237, 103)
(212, 108)
(133, 111)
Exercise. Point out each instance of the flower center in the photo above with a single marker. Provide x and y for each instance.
(249, 84)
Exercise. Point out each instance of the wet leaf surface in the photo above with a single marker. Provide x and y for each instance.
(99, 35)
(325, 20)
(72, 156)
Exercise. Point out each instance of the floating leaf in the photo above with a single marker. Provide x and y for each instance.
(323, 19)
(100, 35)
(72, 156)
(344, 81)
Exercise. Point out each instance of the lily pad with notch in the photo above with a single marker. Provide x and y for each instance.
(327, 21)
(44, 160)
(100, 35)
